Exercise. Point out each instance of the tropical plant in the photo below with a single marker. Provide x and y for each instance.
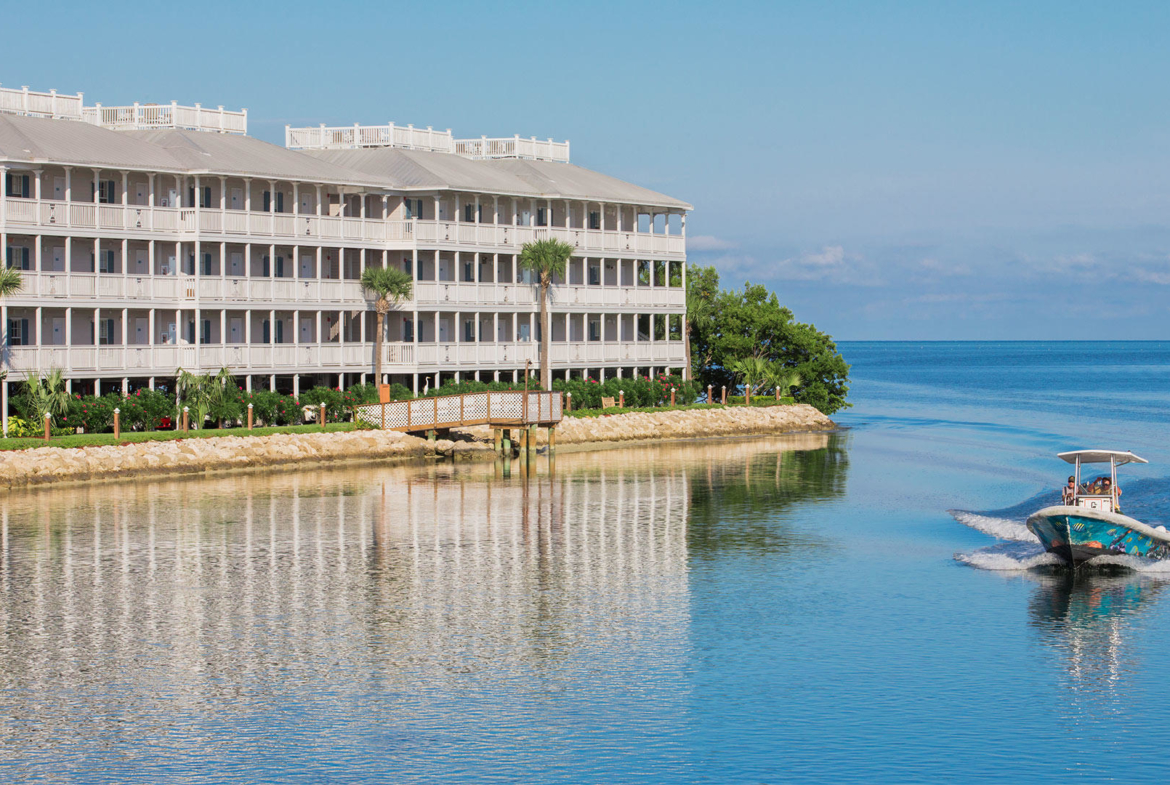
(547, 258)
(44, 394)
(144, 410)
(782, 379)
(10, 281)
(201, 393)
(389, 285)
(752, 371)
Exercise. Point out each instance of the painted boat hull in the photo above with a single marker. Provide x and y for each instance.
(1076, 534)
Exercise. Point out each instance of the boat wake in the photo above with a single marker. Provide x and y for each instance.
(999, 528)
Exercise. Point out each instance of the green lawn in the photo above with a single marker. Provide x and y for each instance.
(103, 439)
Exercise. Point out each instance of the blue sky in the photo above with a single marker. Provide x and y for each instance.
(894, 170)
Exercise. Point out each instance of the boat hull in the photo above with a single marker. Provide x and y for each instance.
(1076, 535)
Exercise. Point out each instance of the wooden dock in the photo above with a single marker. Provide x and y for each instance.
(494, 409)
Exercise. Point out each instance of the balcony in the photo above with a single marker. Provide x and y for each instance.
(163, 360)
(494, 294)
(181, 288)
(147, 117)
(188, 223)
(532, 148)
(350, 137)
(33, 104)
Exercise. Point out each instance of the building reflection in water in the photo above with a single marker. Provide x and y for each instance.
(1085, 616)
(143, 621)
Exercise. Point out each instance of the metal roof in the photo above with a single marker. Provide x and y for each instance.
(67, 142)
(416, 169)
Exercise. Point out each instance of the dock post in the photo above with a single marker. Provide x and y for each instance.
(431, 435)
(117, 424)
(186, 418)
(672, 396)
(532, 440)
(552, 439)
(507, 434)
(498, 440)
(724, 401)
(709, 400)
(322, 415)
(523, 441)
(47, 416)
(249, 417)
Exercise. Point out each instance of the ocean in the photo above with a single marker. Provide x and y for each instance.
(864, 606)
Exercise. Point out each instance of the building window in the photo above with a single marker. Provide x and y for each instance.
(469, 213)
(105, 261)
(469, 272)
(206, 267)
(412, 208)
(595, 220)
(18, 332)
(408, 330)
(279, 201)
(204, 196)
(469, 330)
(107, 191)
(105, 332)
(17, 185)
(643, 272)
(16, 257)
(206, 332)
(541, 216)
(594, 274)
(523, 332)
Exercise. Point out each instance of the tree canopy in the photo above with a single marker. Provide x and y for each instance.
(752, 323)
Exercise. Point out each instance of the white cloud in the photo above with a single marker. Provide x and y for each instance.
(831, 264)
(707, 242)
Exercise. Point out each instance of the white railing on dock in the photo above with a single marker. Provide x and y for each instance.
(513, 147)
(34, 104)
(145, 117)
(455, 411)
(356, 136)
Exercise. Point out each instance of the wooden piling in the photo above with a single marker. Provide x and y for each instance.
(47, 419)
(498, 439)
(186, 420)
(552, 439)
(117, 424)
(723, 401)
(249, 417)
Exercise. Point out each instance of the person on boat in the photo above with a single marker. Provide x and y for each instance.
(1069, 492)
(1107, 489)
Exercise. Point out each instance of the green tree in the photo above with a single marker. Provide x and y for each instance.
(548, 259)
(752, 323)
(702, 289)
(203, 393)
(389, 286)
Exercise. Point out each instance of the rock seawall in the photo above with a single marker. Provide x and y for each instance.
(188, 456)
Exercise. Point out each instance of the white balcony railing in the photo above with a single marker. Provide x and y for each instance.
(471, 294)
(33, 104)
(513, 147)
(162, 360)
(54, 214)
(349, 137)
(145, 117)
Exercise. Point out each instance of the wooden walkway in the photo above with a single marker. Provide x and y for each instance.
(495, 409)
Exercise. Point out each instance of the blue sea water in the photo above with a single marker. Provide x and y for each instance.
(862, 607)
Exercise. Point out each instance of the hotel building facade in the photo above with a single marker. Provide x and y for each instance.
(158, 237)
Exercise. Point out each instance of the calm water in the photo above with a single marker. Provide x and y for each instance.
(789, 609)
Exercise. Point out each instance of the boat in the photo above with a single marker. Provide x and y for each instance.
(1089, 523)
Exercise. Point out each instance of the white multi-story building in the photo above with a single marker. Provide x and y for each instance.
(154, 237)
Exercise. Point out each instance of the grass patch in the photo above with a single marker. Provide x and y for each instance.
(134, 437)
(681, 408)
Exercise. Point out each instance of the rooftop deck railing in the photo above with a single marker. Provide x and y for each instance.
(356, 136)
(513, 147)
(145, 117)
(33, 104)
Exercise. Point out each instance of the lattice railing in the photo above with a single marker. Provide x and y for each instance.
(450, 411)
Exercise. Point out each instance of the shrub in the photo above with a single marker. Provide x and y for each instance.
(144, 410)
(335, 406)
(95, 415)
(272, 408)
(19, 428)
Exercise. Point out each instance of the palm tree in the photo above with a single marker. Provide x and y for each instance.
(548, 258)
(698, 307)
(47, 395)
(782, 379)
(752, 370)
(389, 285)
(10, 281)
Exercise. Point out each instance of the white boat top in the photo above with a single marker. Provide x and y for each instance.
(1117, 457)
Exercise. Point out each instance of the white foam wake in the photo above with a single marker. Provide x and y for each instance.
(1135, 563)
(999, 528)
(1005, 561)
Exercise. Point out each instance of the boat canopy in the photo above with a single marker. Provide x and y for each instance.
(1101, 456)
